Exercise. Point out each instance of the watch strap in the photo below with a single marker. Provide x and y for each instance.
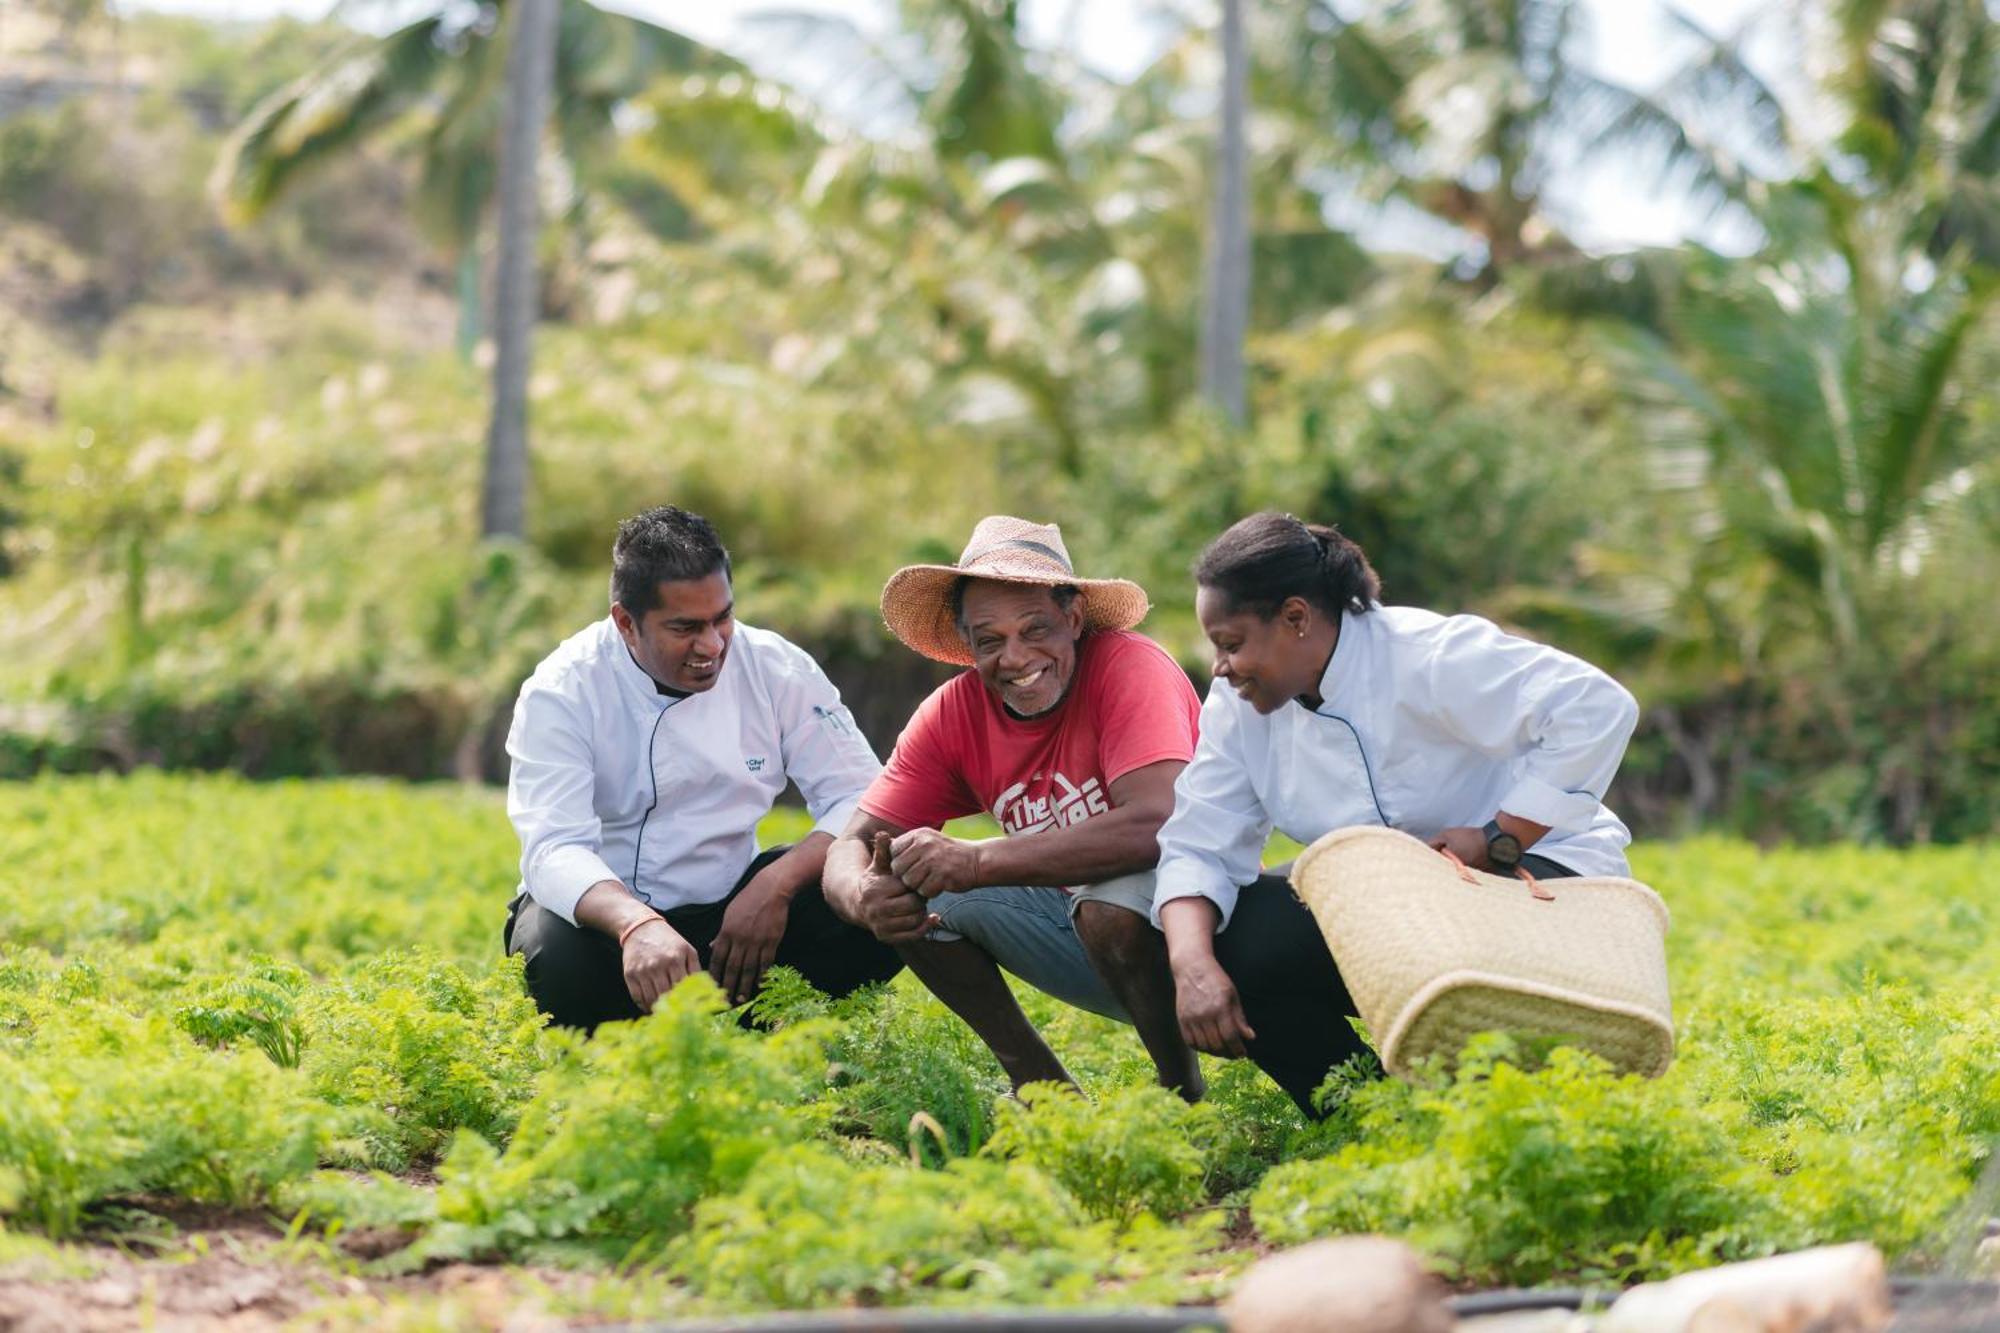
(1493, 833)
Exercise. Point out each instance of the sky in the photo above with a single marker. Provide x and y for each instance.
(1607, 207)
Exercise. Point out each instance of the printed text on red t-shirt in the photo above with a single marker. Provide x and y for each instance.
(1067, 804)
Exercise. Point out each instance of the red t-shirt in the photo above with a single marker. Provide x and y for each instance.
(1130, 705)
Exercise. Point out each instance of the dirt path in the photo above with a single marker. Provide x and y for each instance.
(183, 1269)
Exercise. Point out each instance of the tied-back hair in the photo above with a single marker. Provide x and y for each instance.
(1266, 558)
(664, 545)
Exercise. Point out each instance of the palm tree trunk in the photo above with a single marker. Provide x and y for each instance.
(471, 318)
(1226, 320)
(531, 60)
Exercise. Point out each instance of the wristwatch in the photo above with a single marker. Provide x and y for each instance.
(1503, 849)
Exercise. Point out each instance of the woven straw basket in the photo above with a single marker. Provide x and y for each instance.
(1433, 954)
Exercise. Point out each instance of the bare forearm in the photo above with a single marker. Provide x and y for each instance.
(1527, 830)
(609, 907)
(1206, 1000)
(1121, 842)
(845, 864)
(1189, 925)
(799, 866)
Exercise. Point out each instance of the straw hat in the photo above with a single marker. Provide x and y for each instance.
(916, 601)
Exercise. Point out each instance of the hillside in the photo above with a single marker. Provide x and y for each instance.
(242, 460)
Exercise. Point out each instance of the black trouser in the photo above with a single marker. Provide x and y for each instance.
(577, 975)
(1291, 991)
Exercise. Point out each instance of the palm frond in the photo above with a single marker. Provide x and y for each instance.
(1927, 356)
(986, 101)
(1634, 288)
(1721, 84)
(1639, 128)
(726, 148)
(457, 165)
(1968, 220)
(865, 82)
(1309, 58)
(604, 57)
(357, 93)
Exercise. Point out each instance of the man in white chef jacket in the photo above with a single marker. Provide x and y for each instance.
(645, 750)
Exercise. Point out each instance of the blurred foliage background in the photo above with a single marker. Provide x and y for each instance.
(242, 309)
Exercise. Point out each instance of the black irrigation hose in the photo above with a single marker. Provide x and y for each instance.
(1911, 1293)
(1070, 1321)
(1188, 1319)
(1513, 1300)
(1923, 1291)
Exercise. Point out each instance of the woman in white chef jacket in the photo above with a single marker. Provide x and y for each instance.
(1328, 710)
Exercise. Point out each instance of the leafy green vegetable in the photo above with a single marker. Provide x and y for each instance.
(424, 1048)
(274, 980)
(809, 1228)
(1522, 1176)
(1138, 1150)
(626, 1133)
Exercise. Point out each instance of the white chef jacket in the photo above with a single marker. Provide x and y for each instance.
(1428, 722)
(612, 779)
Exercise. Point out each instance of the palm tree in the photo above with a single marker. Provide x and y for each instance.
(1226, 315)
(444, 73)
(1812, 398)
(530, 67)
(1918, 83)
(1813, 402)
(1035, 238)
(1816, 407)
(437, 86)
(1463, 112)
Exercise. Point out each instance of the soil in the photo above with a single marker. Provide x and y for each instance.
(165, 1265)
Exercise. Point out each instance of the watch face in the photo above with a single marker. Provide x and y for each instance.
(1503, 849)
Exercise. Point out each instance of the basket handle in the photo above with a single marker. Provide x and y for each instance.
(1535, 888)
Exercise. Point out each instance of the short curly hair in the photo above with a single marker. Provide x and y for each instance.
(663, 545)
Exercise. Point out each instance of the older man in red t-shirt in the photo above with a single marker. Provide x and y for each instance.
(1069, 730)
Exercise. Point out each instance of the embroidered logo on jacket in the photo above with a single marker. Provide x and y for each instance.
(754, 765)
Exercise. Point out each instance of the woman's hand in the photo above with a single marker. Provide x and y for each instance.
(1205, 999)
(1210, 1012)
(1467, 844)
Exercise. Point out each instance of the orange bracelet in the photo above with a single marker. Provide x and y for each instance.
(645, 920)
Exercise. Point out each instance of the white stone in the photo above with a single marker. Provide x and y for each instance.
(1358, 1284)
(1836, 1289)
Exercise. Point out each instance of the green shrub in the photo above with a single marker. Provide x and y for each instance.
(333, 1202)
(1257, 1126)
(423, 1048)
(1834, 1078)
(900, 1062)
(1520, 1177)
(809, 1228)
(625, 1133)
(1873, 1112)
(1140, 1149)
(261, 1006)
(146, 1111)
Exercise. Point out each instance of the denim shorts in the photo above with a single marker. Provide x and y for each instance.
(1030, 932)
